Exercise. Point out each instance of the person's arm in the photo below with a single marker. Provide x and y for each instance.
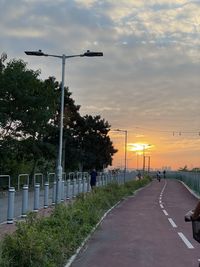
(196, 213)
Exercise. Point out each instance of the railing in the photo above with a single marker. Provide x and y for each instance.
(16, 204)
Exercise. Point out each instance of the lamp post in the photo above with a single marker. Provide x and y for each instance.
(143, 159)
(59, 161)
(144, 147)
(149, 159)
(125, 150)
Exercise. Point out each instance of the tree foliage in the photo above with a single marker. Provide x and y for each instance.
(26, 106)
(95, 146)
(29, 125)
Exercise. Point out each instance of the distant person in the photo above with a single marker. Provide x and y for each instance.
(93, 178)
(158, 174)
(139, 175)
(164, 174)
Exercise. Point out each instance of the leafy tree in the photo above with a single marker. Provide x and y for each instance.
(29, 125)
(184, 169)
(27, 104)
(94, 144)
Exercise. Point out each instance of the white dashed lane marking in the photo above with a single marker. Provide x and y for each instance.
(172, 223)
(185, 240)
(165, 212)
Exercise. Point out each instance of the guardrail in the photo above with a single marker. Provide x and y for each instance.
(17, 203)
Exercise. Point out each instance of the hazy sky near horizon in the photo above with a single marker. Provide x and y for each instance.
(147, 82)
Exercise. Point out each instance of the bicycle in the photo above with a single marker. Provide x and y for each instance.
(195, 226)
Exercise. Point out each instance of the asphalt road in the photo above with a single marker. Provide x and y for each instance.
(146, 230)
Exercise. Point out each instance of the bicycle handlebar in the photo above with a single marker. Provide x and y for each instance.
(188, 216)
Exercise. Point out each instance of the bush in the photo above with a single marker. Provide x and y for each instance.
(50, 241)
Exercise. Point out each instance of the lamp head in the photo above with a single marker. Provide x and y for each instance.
(35, 53)
(92, 54)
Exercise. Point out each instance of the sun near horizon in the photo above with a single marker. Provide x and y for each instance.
(165, 151)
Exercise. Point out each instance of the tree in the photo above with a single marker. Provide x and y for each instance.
(29, 125)
(27, 105)
(184, 169)
(95, 147)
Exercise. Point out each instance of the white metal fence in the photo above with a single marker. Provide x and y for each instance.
(16, 202)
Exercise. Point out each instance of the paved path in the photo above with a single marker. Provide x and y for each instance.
(147, 230)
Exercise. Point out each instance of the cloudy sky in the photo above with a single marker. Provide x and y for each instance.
(147, 82)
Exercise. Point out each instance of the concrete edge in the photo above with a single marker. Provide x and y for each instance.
(73, 257)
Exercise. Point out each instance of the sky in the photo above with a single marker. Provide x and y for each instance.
(147, 83)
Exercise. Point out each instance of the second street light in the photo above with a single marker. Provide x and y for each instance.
(59, 161)
(125, 150)
(145, 146)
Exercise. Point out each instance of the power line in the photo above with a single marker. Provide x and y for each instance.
(173, 132)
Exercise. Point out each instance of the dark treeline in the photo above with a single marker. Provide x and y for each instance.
(29, 126)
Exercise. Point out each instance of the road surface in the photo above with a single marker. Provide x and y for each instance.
(146, 230)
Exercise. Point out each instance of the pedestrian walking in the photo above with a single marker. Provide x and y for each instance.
(139, 175)
(93, 178)
(164, 174)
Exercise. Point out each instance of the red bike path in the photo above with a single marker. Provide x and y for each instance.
(145, 230)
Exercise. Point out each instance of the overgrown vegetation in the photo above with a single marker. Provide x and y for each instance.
(50, 241)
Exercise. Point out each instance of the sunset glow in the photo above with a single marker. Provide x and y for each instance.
(147, 82)
(138, 147)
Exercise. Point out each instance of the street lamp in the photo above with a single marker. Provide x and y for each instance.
(144, 147)
(125, 150)
(88, 53)
(149, 159)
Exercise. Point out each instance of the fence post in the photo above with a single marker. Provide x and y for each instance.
(54, 193)
(11, 203)
(36, 197)
(79, 184)
(83, 184)
(103, 179)
(68, 188)
(46, 195)
(74, 187)
(24, 200)
(106, 179)
(88, 183)
(63, 191)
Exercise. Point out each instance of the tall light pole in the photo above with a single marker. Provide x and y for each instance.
(144, 147)
(125, 150)
(59, 161)
(143, 159)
